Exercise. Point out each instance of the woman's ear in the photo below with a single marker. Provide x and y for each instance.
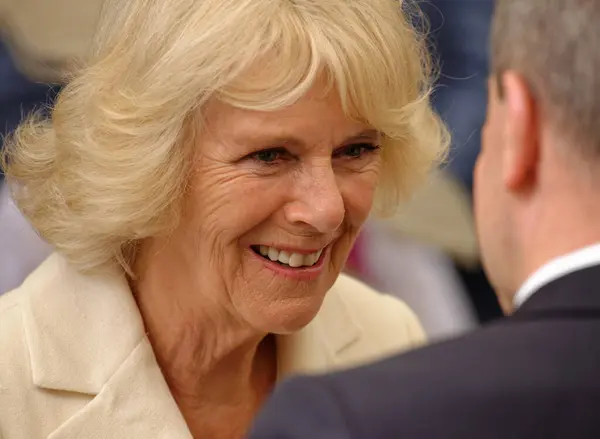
(521, 132)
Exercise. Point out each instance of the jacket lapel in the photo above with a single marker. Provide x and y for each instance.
(134, 403)
(79, 329)
(97, 347)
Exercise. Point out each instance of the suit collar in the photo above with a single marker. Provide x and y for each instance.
(556, 268)
(577, 293)
(99, 348)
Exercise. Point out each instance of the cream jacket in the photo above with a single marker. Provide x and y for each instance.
(75, 362)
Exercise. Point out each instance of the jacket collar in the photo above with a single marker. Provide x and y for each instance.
(80, 329)
(323, 344)
(86, 335)
(574, 294)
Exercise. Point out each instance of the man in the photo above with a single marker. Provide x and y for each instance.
(537, 185)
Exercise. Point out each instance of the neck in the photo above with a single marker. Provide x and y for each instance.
(204, 360)
(554, 212)
(218, 369)
(563, 224)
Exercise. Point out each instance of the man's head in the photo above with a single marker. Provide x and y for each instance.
(535, 177)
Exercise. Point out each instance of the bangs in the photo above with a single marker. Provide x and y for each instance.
(369, 65)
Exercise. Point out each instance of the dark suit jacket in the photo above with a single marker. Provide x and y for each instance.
(535, 374)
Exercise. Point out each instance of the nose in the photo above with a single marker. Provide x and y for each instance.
(317, 200)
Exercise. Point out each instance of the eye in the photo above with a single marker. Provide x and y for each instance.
(269, 156)
(356, 150)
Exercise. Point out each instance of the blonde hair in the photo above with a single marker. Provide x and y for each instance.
(110, 168)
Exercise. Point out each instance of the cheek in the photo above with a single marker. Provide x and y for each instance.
(226, 203)
(358, 192)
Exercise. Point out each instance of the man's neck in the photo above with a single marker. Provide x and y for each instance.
(555, 233)
(556, 268)
(557, 214)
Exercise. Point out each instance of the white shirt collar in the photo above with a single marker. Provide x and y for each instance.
(556, 268)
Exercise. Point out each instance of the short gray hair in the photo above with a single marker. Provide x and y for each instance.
(552, 44)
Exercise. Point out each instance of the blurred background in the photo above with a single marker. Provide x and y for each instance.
(426, 254)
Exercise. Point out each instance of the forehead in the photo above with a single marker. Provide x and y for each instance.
(315, 118)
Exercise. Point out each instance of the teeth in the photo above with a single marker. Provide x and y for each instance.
(284, 257)
(294, 260)
(273, 254)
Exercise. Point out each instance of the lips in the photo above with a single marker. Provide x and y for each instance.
(287, 258)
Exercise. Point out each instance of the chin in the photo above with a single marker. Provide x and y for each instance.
(285, 317)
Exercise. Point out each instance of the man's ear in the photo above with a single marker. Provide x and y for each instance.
(521, 132)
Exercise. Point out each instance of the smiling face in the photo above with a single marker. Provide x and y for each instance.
(275, 203)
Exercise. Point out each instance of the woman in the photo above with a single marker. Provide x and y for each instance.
(203, 179)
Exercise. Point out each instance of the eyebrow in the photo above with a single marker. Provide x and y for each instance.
(291, 141)
(370, 134)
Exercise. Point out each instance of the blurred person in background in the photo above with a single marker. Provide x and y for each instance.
(413, 255)
(21, 249)
(460, 39)
(535, 373)
(202, 201)
(18, 94)
(39, 41)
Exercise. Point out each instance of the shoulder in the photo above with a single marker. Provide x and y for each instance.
(11, 324)
(448, 381)
(356, 293)
(501, 357)
(15, 370)
(11, 331)
(384, 321)
(28, 410)
(463, 384)
(396, 397)
(389, 398)
(60, 336)
(376, 309)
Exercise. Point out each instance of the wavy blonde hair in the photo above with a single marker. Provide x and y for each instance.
(110, 166)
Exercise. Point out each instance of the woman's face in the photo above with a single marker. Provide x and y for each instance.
(275, 203)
